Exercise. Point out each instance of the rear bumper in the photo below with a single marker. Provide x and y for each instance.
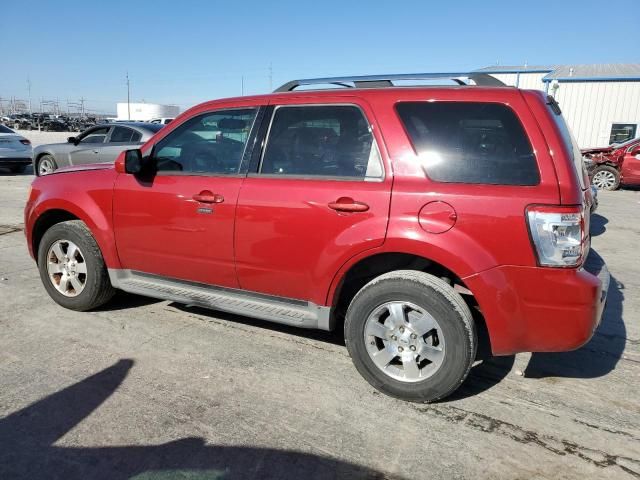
(537, 309)
(14, 161)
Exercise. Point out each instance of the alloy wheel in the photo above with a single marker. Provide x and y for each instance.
(604, 180)
(67, 268)
(45, 166)
(404, 341)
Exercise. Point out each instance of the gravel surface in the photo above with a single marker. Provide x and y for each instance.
(147, 389)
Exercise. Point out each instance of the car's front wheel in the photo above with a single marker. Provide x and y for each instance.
(46, 165)
(410, 335)
(72, 268)
(606, 177)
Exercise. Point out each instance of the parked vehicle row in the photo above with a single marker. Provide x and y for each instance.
(47, 122)
(412, 217)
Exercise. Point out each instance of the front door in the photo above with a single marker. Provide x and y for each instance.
(179, 223)
(631, 167)
(316, 197)
(86, 150)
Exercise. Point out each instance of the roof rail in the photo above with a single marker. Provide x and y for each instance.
(381, 81)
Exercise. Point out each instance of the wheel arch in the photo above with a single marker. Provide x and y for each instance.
(361, 271)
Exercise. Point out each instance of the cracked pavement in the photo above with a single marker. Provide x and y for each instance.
(150, 389)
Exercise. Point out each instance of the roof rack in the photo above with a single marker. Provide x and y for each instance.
(382, 81)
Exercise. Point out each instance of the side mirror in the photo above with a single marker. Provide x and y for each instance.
(73, 140)
(133, 161)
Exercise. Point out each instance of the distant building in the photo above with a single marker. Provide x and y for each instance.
(143, 112)
(601, 103)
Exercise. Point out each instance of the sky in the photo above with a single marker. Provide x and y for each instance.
(186, 51)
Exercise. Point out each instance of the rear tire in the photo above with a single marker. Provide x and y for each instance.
(438, 333)
(83, 274)
(606, 177)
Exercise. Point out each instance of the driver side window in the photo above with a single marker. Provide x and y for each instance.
(212, 143)
(99, 135)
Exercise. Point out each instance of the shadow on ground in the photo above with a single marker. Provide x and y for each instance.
(27, 438)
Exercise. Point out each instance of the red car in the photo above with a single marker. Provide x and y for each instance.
(412, 217)
(617, 164)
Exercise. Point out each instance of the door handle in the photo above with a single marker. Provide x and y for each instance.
(347, 204)
(208, 197)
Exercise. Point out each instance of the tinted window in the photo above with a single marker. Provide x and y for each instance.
(98, 135)
(321, 141)
(470, 142)
(122, 134)
(211, 143)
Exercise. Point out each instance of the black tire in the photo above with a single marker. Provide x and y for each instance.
(611, 171)
(97, 290)
(18, 169)
(439, 299)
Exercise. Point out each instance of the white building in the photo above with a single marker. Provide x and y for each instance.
(601, 103)
(143, 112)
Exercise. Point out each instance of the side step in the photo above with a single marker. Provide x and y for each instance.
(265, 307)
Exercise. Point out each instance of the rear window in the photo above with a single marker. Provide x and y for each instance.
(467, 142)
(570, 142)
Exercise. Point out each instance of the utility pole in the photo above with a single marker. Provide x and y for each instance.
(128, 99)
(29, 89)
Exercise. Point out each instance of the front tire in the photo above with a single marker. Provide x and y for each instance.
(46, 165)
(606, 177)
(72, 268)
(411, 336)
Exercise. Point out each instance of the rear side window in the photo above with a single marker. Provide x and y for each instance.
(321, 141)
(122, 135)
(465, 142)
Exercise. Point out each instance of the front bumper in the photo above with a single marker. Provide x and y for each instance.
(539, 309)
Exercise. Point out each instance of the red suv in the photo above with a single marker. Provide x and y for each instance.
(413, 217)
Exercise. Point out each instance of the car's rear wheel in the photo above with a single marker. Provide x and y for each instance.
(606, 177)
(46, 165)
(411, 336)
(72, 268)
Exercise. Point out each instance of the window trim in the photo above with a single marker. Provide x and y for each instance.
(254, 172)
(242, 166)
(506, 105)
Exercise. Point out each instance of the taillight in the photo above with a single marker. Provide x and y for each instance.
(558, 234)
(24, 141)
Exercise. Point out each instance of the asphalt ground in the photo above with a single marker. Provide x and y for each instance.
(150, 389)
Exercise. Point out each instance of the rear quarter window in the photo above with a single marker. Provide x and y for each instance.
(469, 142)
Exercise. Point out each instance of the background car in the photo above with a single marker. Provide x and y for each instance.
(163, 121)
(15, 150)
(605, 165)
(98, 144)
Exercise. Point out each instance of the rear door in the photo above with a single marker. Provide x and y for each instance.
(316, 195)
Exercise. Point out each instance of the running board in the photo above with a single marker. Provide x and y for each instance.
(296, 313)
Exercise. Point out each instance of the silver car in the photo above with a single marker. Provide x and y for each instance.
(15, 150)
(98, 144)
